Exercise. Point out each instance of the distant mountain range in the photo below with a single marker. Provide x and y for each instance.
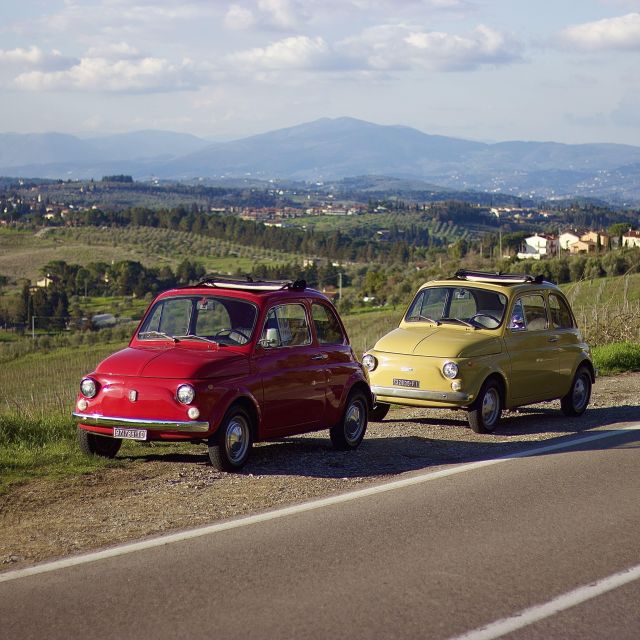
(332, 149)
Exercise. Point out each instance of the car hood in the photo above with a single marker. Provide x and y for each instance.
(174, 362)
(439, 341)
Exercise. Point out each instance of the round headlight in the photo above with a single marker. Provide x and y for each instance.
(185, 393)
(369, 362)
(450, 370)
(88, 387)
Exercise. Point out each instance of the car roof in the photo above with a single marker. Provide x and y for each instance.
(258, 291)
(508, 283)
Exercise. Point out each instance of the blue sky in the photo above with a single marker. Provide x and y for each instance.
(488, 70)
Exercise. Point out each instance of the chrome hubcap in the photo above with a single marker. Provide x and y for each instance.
(354, 422)
(580, 391)
(237, 438)
(490, 407)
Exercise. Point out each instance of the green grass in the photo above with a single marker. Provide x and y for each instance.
(617, 358)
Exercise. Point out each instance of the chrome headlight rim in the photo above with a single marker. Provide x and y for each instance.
(450, 370)
(185, 394)
(369, 362)
(88, 387)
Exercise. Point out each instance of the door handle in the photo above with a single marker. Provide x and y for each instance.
(554, 339)
(320, 356)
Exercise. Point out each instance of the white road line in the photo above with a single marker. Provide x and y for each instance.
(540, 612)
(311, 505)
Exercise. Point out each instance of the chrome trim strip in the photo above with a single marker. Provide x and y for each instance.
(96, 420)
(416, 394)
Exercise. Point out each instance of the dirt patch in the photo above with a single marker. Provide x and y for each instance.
(155, 493)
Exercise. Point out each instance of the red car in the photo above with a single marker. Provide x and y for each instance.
(228, 363)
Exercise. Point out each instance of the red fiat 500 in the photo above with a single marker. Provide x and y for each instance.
(228, 362)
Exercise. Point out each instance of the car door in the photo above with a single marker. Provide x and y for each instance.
(293, 377)
(532, 349)
(566, 337)
(336, 357)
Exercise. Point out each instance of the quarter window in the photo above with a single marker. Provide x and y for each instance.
(327, 326)
(560, 313)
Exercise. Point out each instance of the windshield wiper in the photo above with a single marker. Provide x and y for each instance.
(157, 334)
(461, 321)
(421, 317)
(193, 336)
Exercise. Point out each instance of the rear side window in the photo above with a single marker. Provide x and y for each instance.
(561, 317)
(327, 326)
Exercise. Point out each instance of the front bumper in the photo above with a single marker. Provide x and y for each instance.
(176, 426)
(449, 397)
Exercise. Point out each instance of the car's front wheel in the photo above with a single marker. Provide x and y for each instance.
(485, 413)
(576, 401)
(230, 446)
(95, 445)
(348, 433)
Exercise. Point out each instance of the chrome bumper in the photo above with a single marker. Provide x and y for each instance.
(95, 420)
(417, 394)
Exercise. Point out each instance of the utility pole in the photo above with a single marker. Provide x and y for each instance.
(340, 285)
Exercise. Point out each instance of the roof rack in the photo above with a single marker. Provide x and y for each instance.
(249, 284)
(498, 277)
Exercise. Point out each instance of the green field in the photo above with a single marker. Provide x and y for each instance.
(23, 254)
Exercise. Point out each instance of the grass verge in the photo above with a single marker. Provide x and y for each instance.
(617, 357)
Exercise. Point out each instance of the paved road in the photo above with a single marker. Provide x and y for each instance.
(435, 556)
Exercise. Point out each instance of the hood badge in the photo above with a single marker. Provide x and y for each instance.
(406, 368)
(133, 395)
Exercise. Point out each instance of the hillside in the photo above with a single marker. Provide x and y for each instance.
(334, 149)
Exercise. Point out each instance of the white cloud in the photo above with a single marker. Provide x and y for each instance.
(103, 74)
(238, 17)
(298, 52)
(389, 47)
(282, 14)
(620, 33)
(34, 58)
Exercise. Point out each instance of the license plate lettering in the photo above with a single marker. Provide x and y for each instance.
(130, 434)
(402, 382)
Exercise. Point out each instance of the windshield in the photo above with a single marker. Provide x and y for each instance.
(478, 308)
(204, 318)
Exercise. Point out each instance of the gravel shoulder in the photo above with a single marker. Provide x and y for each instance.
(155, 493)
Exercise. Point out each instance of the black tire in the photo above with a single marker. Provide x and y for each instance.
(230, 445)
(348, 433)
(576, 401)
(95, 445)
(379, 411)
(484, 415)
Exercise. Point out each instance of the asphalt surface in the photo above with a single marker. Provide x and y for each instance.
(436, 557)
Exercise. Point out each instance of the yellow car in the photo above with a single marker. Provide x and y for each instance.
(483, 342)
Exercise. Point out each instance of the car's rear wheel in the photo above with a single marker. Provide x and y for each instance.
(379, 411)
(230, 446)
(576, 401)
(485, 414)
(348, 433)
(95, 445)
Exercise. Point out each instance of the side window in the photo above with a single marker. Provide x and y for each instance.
(529, 312)
(560, 314)
(327, 326)
(286, 326)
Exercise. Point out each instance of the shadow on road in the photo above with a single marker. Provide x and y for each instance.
(313, 456)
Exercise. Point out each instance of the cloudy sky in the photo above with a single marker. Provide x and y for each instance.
(563, 70)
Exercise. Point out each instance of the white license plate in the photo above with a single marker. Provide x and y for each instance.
(402, 382)
(130, 434)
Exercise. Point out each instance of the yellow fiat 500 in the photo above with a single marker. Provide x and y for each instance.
(483, 342)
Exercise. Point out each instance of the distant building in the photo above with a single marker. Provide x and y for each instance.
(567, 238)
(538, 246)
(631, 239)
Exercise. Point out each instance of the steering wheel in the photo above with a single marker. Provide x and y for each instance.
(485, 315)
(230, 333)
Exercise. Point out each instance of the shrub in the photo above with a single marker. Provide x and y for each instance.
(617, 357)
